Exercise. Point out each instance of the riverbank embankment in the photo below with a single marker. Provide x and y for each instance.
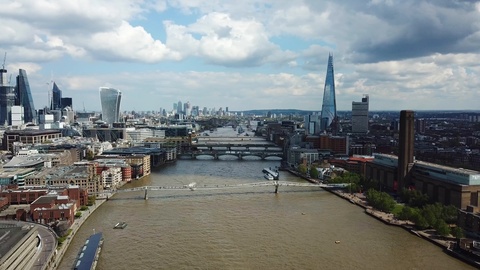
(78, 222)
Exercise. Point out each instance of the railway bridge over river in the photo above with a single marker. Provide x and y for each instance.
(238, 147)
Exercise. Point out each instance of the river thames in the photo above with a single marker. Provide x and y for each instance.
(246, 228)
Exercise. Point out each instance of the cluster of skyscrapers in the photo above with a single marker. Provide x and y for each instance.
(16, 103)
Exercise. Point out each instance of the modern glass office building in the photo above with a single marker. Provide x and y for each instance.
(56, 102)
(24, 97)
(110, 99)
(329, 107)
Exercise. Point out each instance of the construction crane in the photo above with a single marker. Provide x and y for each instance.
(4, 59)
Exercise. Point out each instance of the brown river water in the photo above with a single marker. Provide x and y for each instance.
(246, 228)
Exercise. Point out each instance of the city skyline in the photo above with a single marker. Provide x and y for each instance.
(248, 55)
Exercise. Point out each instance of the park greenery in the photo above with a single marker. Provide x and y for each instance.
(415, 206)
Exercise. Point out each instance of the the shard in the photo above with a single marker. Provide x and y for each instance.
(329, 107)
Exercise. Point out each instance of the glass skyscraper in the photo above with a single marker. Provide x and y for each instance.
(329, 106)
(23, 97)
(56, 98)
(110, 99)
(7, 98)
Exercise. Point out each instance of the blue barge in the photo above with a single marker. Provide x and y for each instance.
(88, 256)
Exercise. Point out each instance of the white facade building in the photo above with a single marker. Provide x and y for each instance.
(360, 115)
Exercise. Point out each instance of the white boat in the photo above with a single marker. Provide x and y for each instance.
(120, 225)
(268, 176)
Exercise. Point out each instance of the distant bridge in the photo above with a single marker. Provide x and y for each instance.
(240, 154)
(194, 187)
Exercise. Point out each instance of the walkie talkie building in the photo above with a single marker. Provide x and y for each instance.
(329, 107)
(110, 99)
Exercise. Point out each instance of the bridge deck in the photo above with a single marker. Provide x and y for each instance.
(226, 186)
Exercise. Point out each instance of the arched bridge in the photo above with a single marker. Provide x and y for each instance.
(240, 154)
(194, 186)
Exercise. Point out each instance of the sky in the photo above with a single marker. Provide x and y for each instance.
(248, 54)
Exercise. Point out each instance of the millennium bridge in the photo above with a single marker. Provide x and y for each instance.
(193, 187)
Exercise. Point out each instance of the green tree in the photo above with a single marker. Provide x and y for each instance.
(314, 172)
(450, 214)
(458, 232)
(442, 228)
(380, 200)
(302, 169)
(419, 220)
(407, 213)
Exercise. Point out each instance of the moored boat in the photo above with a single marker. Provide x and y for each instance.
(120, 225)
(268, 176)
(88, 256)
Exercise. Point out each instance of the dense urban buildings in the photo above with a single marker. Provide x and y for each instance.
(329, 106)
(110, 99)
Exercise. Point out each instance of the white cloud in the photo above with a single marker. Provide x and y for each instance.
(128, 43)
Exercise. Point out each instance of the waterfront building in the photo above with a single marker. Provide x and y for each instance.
(360, 115)
(329, 106)
(106, 163)
(24, 97)
(446, 185)
(112, 178)
(110, 99)
(51, 208)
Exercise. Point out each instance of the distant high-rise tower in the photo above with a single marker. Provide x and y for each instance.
(329, 107)
(7, 98)
(360, 115)
(405, 148)
(23, 97)
(56, 102)
(110, 99)
(179, 107)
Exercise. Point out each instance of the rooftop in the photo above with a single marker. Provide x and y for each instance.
(10, 236)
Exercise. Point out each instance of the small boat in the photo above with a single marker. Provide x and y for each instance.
(268, 176)
(120, 225)
(337, 242)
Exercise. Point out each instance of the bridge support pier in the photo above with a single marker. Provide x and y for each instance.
(276, 187)
(145, 197)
